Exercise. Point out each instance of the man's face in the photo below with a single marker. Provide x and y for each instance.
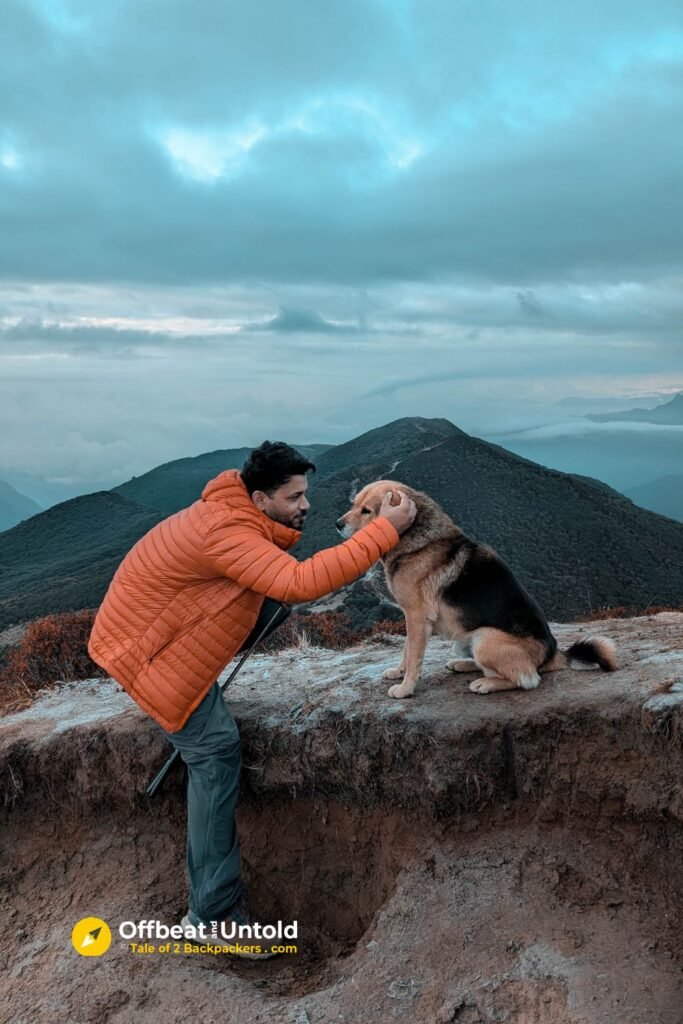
(287, 504)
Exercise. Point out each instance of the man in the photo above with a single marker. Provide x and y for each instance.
(184, 601)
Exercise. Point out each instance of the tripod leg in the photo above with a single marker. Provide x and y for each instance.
(266, 614)
(271, 616)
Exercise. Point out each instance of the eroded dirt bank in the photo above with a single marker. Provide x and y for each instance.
(453, 858)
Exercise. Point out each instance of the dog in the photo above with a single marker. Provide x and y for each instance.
(449, 584)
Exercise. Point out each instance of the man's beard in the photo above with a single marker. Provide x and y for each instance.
(289, 522)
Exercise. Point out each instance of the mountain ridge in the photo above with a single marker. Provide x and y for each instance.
(15, 506)
(668, 413)
(188, 476)
(663, 495)
(574, 542)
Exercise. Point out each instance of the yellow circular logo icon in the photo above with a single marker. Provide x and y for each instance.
(91, 936)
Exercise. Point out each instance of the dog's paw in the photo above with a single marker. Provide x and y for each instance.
(483, 685)
(400, 691)
(462, 665)
(393, 673)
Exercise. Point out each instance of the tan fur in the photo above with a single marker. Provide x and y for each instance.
(416, 570)
(557, 661)
(508, 662)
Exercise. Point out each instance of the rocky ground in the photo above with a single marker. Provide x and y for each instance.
(451, 858)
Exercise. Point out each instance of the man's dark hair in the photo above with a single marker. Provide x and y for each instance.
(271, 465)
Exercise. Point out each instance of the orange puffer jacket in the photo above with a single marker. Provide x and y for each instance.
(188, 593)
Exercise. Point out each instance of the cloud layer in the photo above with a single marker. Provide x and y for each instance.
(349, 142)
(220, 222)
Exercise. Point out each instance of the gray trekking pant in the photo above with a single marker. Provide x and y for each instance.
(209, 744)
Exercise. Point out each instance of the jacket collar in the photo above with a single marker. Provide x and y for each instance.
(229, 489)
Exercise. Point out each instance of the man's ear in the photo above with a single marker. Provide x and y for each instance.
(395, 498)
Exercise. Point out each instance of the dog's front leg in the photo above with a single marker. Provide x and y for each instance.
(398, 671)
(417, 633)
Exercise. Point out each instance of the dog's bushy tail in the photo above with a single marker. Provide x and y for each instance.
(593, 652)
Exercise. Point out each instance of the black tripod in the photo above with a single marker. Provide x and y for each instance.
(272, 614)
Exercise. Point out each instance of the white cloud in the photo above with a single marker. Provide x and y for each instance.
(10, 159)
(207, 155)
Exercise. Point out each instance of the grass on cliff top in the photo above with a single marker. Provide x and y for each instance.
(51, 650)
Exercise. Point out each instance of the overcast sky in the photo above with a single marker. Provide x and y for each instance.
(221, 221)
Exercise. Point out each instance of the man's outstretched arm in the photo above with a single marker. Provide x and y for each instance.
(242, 553)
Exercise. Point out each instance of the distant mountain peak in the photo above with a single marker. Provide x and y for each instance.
(668, 414)
(437, 424)
(15, 507)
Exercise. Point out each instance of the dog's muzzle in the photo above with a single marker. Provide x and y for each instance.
(343, 528)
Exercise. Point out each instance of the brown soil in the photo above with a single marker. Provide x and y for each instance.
(455, 858)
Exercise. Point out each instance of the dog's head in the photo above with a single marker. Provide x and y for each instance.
(367, 503)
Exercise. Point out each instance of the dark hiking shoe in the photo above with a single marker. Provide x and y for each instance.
(244, 946)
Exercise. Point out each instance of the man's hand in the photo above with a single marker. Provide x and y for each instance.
(401, 514)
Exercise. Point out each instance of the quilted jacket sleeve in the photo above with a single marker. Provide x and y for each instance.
(253, 561)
